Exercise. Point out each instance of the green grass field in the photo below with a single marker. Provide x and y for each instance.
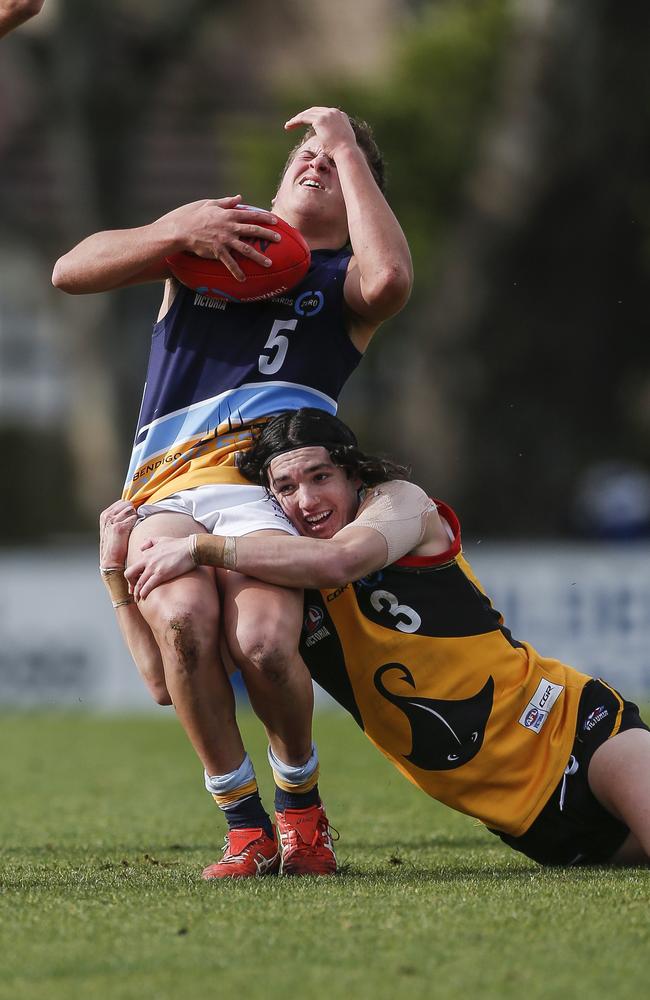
(105, 827)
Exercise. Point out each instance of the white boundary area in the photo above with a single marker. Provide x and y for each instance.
(585, 604)
(588, 605)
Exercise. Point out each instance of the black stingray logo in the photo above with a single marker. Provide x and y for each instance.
(444, 734)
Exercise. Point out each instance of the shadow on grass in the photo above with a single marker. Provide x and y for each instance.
(407, 871)
(420, 876)
(422, 843)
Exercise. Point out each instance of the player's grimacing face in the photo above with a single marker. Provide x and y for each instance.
(311, 184)
(314, 493)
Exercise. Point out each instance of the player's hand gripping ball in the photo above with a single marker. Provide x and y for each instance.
(290, 259)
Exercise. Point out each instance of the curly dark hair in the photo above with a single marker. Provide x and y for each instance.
(307, 428)
(365, 142)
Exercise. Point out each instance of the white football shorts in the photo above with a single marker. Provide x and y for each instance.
(224, 509)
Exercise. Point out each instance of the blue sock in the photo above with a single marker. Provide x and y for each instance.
(237, 796)
(248, 813)
(292, 800)
(295, 787)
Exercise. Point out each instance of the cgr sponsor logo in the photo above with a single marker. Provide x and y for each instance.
(538, 708)
(547, 694)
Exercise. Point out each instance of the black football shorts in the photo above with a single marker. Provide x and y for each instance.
(573, 828)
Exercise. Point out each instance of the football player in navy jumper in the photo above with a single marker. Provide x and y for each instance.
(216, 371)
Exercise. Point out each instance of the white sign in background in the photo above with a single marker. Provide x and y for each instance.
(60, 642)
(586, 605)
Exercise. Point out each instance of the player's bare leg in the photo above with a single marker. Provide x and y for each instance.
(251, 845)
(263, 626)
(619, 777)
(183, 615)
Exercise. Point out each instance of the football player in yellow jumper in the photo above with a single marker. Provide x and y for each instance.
(398, 629)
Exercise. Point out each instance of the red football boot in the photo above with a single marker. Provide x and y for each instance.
(305, 842)
(247, 854)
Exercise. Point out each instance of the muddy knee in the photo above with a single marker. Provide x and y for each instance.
(185, 640)
(180, 634)
(272, 661)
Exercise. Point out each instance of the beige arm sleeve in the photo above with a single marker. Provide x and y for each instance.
(398, 510)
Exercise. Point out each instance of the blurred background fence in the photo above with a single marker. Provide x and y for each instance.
(516, 382)
(582, 603)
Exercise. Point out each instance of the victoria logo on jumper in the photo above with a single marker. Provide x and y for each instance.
(313, 628)
(595, 717)
(444, 734)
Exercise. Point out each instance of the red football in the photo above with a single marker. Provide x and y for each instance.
(290, 257)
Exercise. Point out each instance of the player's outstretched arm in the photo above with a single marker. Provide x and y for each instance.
(120, 257)
(380, 276)
(394, 519)
(115, 526)
(281, 559)
(16, 12)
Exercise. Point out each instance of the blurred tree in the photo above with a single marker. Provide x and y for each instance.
(430, 108)
(114, 125)
(516, 133)
(118, 116)
(517, 140)
(562, 337)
